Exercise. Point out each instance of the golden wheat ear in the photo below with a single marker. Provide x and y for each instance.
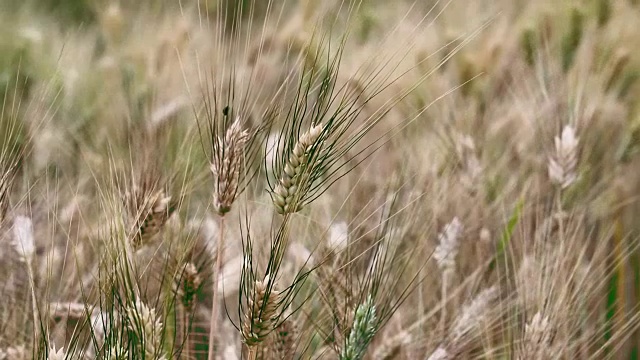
(227, 165)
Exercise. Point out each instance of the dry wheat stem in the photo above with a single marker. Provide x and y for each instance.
(216, 277)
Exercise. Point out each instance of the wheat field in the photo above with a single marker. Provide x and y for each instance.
(306, 179)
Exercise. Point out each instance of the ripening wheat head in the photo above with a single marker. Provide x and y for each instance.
(563, 163)
(147, 325)
(283, 344)
(227, 162)
(536, 340)
(447, 249)
(149, 209)
(261, 314)
(188, 284)
(365, 325)
(286, 195)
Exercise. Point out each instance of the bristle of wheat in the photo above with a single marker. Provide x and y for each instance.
(286, 193)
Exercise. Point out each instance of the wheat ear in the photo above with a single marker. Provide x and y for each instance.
(362, 332)
(226, 165)
(283, 347)
(286, 195)
(261, 314)
(563, 163)
(144, 322)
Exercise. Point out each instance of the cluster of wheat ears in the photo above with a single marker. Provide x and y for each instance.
(319, 180)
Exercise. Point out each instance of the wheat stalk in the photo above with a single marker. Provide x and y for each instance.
(227, 161)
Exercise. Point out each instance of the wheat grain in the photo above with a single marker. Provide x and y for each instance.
(448, 243)
(392, 347)
(151, 212)
(5, 182)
